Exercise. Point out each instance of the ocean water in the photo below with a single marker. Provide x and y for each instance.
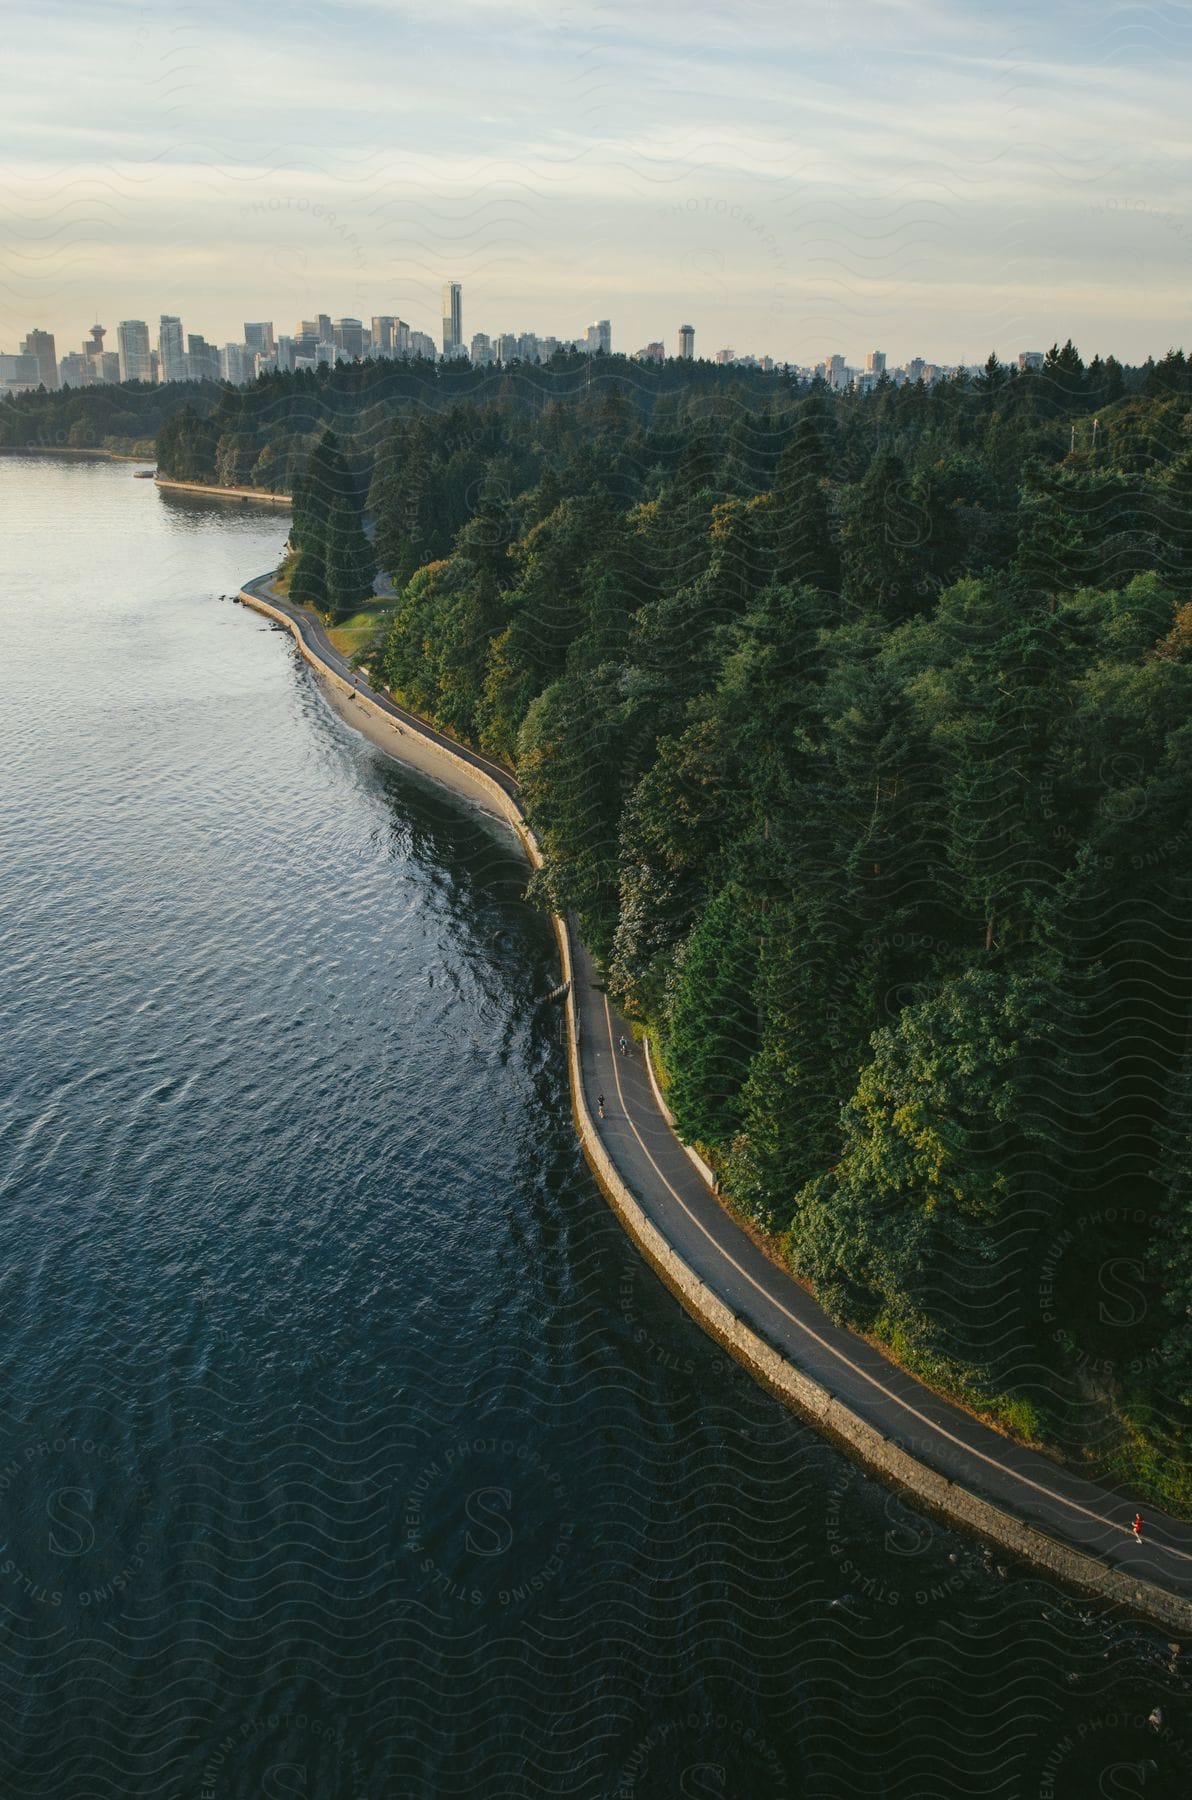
(347, 1448)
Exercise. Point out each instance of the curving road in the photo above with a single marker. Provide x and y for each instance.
(1086, 1515)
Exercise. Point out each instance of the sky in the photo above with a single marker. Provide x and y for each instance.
(925, 177)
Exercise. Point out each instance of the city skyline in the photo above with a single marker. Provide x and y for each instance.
(674, 342)
(181, 355)
(945, 179)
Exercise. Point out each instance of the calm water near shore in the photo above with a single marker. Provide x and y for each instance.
(346, 1446)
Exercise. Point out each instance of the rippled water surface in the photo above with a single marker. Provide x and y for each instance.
(346, 1446)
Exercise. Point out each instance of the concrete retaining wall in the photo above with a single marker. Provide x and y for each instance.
(928, 1489)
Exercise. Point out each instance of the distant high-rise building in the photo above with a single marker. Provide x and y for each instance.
(236, 364)
(915, 368)
(348, 336)
(323, 326)
(19, 374)
(422, 344)
(599, 337)
(687, 342)
(875, 362)
(482, 350)
(259, 336)
(385, 327)
(171, 355)
(136, 357)
(655, 352)
(507, 346)
(285, 353)
(74, 370)
(1030, 359)
(41, 345)
(453, 318)
(547, 347)
(527, 346)
(202, 358)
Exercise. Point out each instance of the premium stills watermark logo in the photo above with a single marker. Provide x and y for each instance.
(1118, 1754)
(74, 1511)
(487, 1522)
(916, 1567)
(282, 1755)
(707, 1754)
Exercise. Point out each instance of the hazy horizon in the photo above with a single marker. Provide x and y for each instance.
(925, 180)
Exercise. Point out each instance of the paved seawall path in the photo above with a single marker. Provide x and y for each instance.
(952, 1465)
(261, 496)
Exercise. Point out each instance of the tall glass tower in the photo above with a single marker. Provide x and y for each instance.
(453, 319)
(136, 362)
(171, 357)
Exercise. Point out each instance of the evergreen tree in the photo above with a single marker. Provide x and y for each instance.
(712, 1025)
(350, 563)
(801, 535)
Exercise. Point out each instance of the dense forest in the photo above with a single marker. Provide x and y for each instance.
(119, 417)
(857, 731)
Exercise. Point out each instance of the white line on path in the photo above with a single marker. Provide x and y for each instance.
(801, 1325)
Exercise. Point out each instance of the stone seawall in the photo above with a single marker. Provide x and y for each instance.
(934, 1493)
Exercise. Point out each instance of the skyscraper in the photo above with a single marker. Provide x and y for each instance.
(136, 358)
(202, 358)
(687, 342)
(260, 337)
(600, 337)
(41, 345)
(236, 364)
(453, 319)
(875, 362)
(169, 348)
(349, 337)
(74, 370)
(384, 334)
(19, 374)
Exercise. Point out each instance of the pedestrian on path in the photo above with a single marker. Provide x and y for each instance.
(624, 1046)
(1136, 1528)
(600, 1106)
